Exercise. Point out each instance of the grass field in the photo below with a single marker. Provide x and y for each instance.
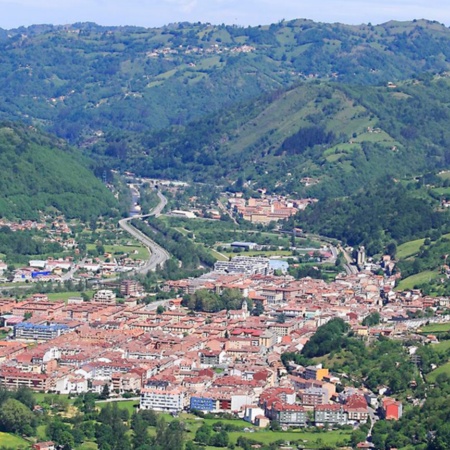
(435, 328)
(40, 397)
(442, 191)
(409, 248)
(442, 347)
(121, 404)
(415, 280)
(88, 446)
(66, 295)
(134, 251)
(219, 256)
(12, 441)
(431, 377)
(313, 440)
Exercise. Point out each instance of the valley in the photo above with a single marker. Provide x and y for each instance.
(215, 236)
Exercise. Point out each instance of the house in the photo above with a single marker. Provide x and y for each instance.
(252, 412)
(392, 409)
(356, 408)
(49, 445)
(211, 358)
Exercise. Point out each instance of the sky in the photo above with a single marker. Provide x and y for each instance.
(155, 13)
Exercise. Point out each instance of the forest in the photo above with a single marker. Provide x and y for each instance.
(42, 175)
(375, 216)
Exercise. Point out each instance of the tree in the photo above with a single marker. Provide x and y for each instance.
(25, 396)
(160, 309)
(356, 437)
(15, 417)
(258, 309)
(391, 249)
(105, 392)
(203, 434)
(140, 435)
(372, 319)
(60, 433)
(275, 425)
(281, 318)
(220, 439)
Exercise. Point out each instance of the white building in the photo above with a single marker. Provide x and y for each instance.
(162, 400)
(71, 384)
(104, 296)
(244, 264)
(251, 412)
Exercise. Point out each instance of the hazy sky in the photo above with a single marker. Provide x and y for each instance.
(152, 13)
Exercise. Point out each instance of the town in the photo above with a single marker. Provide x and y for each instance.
(219, 343)
(176, 359)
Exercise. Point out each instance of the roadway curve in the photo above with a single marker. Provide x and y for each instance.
(157, 254)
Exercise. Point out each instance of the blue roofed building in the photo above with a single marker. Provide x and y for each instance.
(39, 332)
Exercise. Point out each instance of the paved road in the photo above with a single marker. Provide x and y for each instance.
(348, 266)
(225, 210)
(157, 254)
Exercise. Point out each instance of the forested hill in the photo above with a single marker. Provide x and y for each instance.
(340, 136)
(81, 81)
(41, 174)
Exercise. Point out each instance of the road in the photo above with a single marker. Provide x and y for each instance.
(157, 254)
(373, 419)
(225, 210)
(348, 266)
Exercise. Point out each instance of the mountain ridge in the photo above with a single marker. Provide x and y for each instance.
(76, 80)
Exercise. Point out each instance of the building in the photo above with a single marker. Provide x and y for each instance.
(32, 331)
(49, 445)
(104, 296)
(313, 396)
(244, 264)
(361, 256)
(13, 379)
(162, 399)
(357, 409)
(289, 415)
(204, 404)
(252, 412)
(131, 288)
(244, 245)
(72, 385)
(392, 409)
(330, 415)
(211, 358)
(315, 372)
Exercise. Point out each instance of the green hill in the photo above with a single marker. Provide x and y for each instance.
(41, 174)
(82, 80)
(342, 136)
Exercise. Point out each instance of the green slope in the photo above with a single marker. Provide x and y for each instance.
(80, 79)
(40, 174)
(343, 136)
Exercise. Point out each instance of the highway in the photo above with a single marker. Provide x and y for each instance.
(157, 254)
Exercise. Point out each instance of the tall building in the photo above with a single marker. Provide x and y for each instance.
(361, 257)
